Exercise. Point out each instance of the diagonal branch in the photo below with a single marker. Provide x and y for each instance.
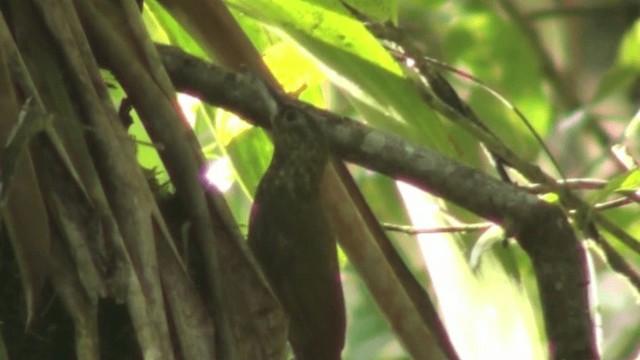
(541, 228)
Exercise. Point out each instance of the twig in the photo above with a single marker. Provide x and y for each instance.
(410, 230)
(574, 184)
(612, 204)
(615, 260)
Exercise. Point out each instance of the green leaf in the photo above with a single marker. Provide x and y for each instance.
(626, 68)
(628, 181)
(551, 198)
(486, 241)
(615, 80)
(250, 153)
(632, 131)
(163, 28)
(355, 61)
(293, 70)
(630, 47)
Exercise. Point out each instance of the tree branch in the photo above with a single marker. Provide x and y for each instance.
(542, 229)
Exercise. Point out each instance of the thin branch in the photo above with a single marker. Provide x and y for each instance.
(615, 260)
(232, 91)
(410, 230)
(573, 184)
(587, 184)
(615, 203)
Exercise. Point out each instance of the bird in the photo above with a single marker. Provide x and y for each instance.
(291, 239)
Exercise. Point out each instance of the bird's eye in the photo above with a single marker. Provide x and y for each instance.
(290, 116)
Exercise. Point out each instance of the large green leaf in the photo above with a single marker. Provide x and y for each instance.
(355, 61)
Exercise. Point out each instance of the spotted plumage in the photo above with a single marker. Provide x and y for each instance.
(290, 238)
